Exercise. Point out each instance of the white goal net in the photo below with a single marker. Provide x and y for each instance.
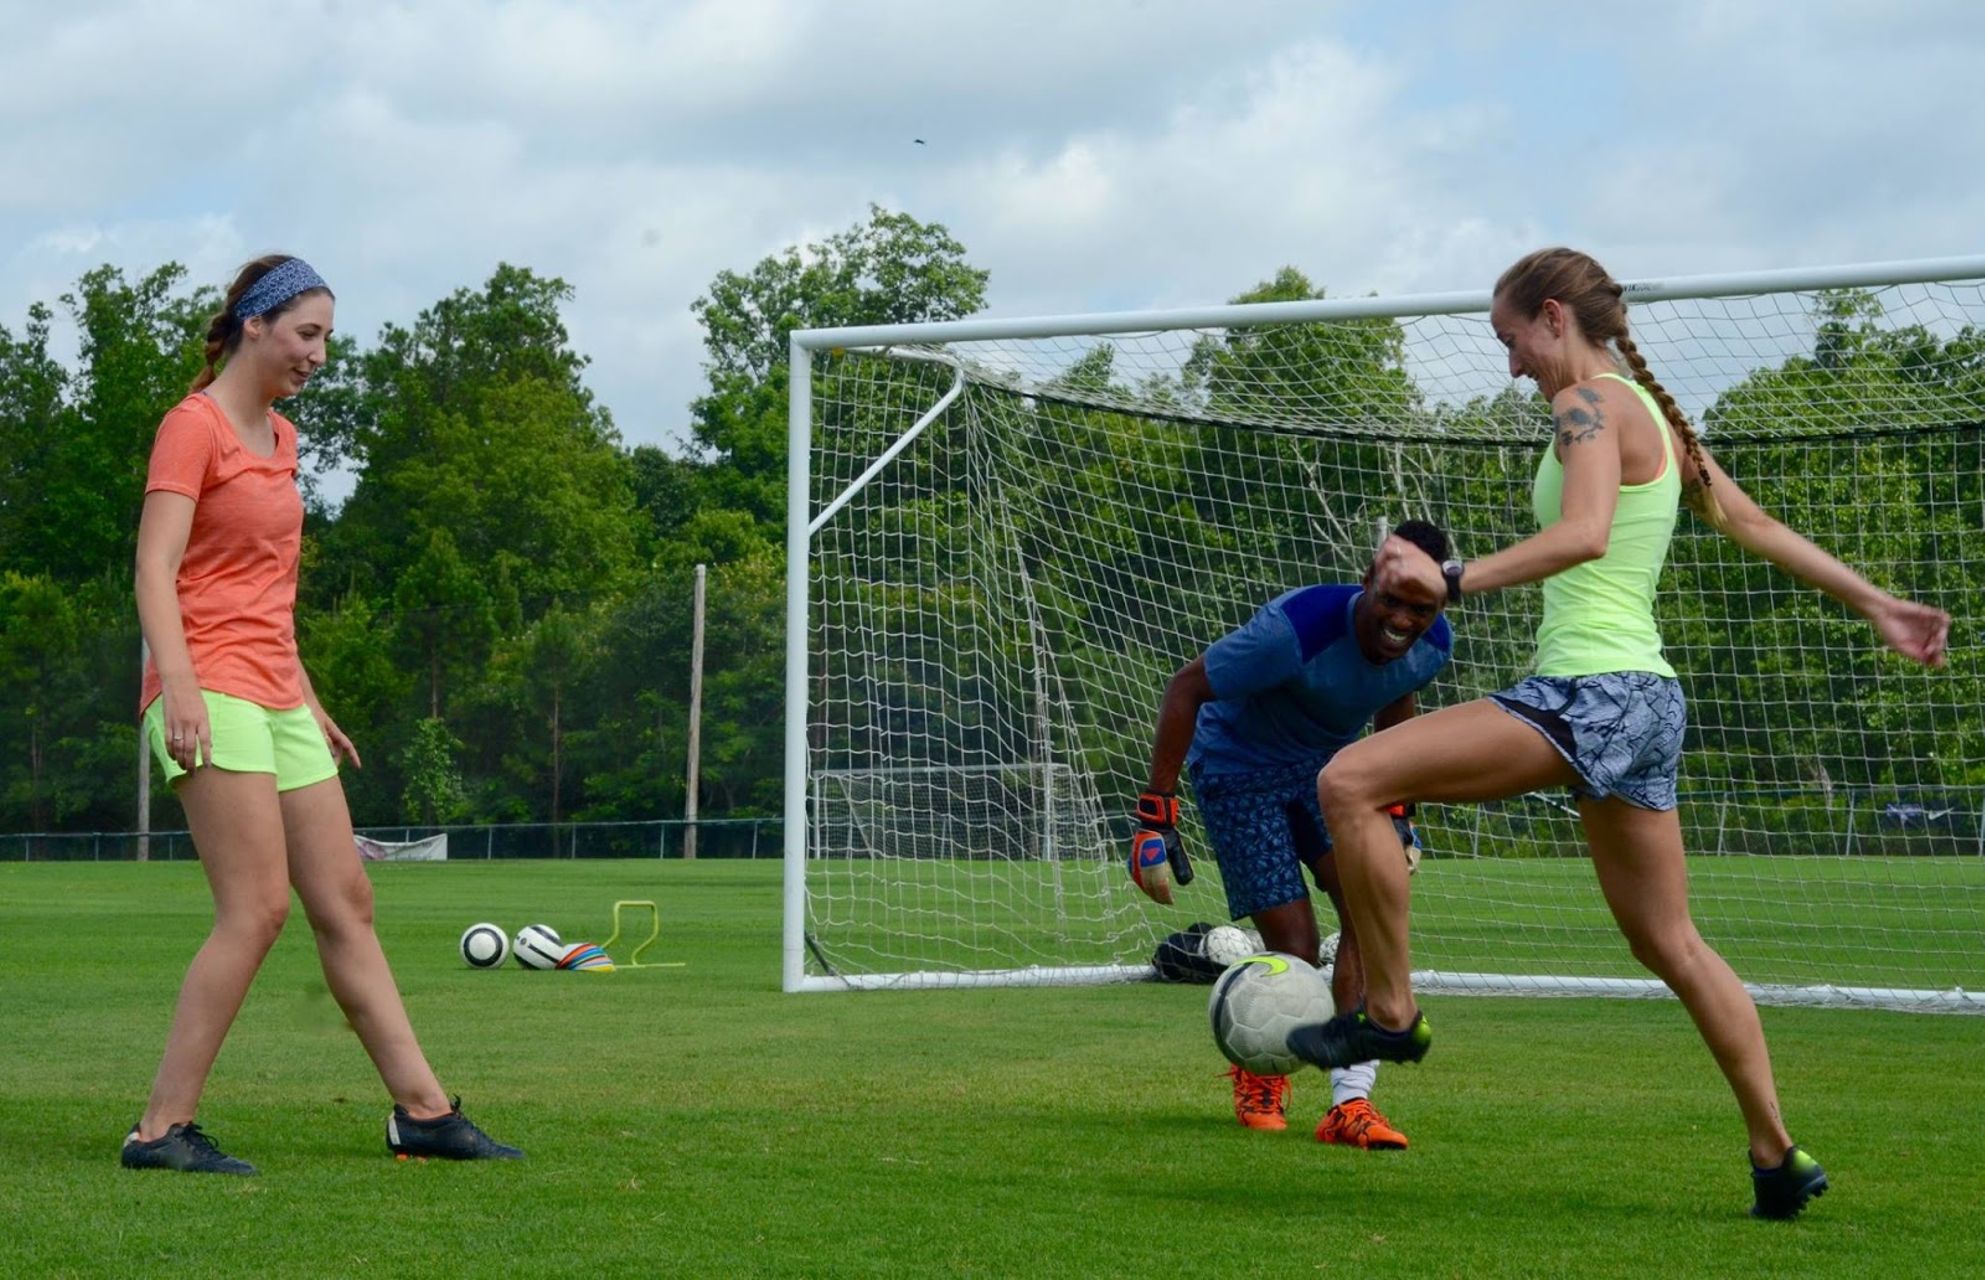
(1008, 535)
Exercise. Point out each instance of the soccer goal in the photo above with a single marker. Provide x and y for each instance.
(1005, 536)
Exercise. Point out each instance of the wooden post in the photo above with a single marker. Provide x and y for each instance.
(695, 719)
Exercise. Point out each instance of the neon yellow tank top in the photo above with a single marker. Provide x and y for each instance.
(1599, 616)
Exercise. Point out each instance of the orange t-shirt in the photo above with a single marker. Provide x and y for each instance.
(237, 579)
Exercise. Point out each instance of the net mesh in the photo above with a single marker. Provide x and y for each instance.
(994, 617)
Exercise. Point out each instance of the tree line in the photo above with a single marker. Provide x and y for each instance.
(498, 613)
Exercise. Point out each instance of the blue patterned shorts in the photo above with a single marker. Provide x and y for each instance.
(1621, 731)
(1265, 828)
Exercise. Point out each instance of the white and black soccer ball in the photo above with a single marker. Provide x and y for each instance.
(1227, 946)
(485, 946)
(1258, 1002)
(538, 947)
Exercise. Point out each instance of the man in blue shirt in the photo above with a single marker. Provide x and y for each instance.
(1254, 719)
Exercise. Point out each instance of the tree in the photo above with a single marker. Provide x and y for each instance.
(84, 442)
(474, 423)
(890, 270)
(33, 408)
(434, 793)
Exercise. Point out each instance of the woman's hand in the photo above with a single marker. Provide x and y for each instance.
(1399, 563)
(334, 737)
(189, 739)
(1916, 631)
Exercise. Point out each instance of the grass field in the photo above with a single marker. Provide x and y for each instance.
(697, 1122)
(1886, 922)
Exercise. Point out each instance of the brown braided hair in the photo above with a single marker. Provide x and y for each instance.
(1582, 285)
(224, 329)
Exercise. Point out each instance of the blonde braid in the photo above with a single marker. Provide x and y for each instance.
(1691, 443)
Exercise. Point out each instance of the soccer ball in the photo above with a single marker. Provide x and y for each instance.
(1226, 946)
(485, 946)
(538, 947)
(1258, 1001)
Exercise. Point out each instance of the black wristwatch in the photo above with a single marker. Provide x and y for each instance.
(1451, 570)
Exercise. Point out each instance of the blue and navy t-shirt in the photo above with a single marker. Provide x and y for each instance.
(1292, 686)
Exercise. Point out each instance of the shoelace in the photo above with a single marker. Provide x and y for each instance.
(1358, 1116)
(191, 1135)
(1262, 1093)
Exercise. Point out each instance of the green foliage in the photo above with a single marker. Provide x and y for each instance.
(505, 594)
(434, 793)
(891, 270)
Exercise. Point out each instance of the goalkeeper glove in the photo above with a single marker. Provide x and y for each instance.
(1409, 835)
(1157, 855)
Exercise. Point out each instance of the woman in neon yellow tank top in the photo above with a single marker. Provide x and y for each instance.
(1604, 713)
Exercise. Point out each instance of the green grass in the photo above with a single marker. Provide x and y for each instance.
(1893, 922)
(698, 1122)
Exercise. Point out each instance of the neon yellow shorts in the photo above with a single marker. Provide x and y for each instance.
(250, 738)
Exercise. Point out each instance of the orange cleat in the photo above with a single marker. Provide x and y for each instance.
(1358, 1123)
(1259, 1100)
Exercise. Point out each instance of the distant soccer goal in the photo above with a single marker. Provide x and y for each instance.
(1005, 536)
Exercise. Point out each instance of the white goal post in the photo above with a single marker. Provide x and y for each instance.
(1005, 535)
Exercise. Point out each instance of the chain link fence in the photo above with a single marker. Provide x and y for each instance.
(661, 838)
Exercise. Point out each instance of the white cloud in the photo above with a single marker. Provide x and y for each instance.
(1092, 156)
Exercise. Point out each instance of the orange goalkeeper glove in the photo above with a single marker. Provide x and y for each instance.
(1157, 855)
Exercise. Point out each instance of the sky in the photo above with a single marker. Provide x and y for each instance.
(1093, 155)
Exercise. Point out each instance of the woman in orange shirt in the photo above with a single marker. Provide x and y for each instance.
(240, 734)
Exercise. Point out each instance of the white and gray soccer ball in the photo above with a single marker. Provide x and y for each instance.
(1258, 1002)
(1226, 945)
(1327, 953)
(484, 946)
(538, 947)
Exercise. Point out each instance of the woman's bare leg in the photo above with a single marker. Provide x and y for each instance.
(237, 828)
(1473, 752)
(337, 897)
(1639, 857)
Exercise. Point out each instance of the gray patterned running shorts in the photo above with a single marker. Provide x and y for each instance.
(1622, 731)
(1265, 827)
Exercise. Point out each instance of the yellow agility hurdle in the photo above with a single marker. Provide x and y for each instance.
(654, 934)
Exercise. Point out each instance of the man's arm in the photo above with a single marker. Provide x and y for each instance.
(1398, 711)
(1178, 716)
(1157, 856)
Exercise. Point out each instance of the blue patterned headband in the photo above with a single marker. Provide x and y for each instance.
(276, 286)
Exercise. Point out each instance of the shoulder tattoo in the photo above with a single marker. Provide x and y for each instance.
(1580, 423)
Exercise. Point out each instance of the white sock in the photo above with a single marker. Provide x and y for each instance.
(1347, 1083)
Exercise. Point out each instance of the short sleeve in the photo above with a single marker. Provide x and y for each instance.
(1261, 654)
(182, 454)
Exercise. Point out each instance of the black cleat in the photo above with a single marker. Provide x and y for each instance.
(1351, 1038)
(184, 1148)
(449, 1137)
(1784, 1191)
